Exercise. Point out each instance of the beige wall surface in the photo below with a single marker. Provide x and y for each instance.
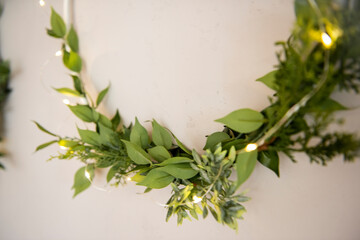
(184, 63)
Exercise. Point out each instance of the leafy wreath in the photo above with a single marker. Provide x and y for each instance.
(321, 56)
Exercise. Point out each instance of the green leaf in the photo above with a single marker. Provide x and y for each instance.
(160, 136)
(72, 39)
(159, 153)
(44, 130)
(90, 137)
(112, 171)
(270, 159)
(68, 92)
(328, 105)
(58, 28)
(181, 145)
(269, 80)
(181, 170)
(77, 83)
(116, 120)
(175, 160)
(214, 139)
(101, 95)
(139, 135)
(136, 153)
(44, 145)
(105, 121)
(2, 166)
(83, 112)
(67, 143)
(72, 61)
(245, 164)
(156, 179)
(51, 33)
(81, 182)
(108, 135)
(243, 120)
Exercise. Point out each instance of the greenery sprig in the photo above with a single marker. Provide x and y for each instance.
(321, 56)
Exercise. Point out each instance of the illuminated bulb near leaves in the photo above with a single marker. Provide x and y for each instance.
(42, 3)
(87, 175)
(83, 101)
(66, 101)
(58, 53)
(197, 199)
(251, 147)
(128, 178)
(326, 40)
(63, 148)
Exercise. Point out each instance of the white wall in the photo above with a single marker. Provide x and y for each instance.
(184, 63)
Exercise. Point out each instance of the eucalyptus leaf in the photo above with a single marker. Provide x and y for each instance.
(101, 95)
(44, 130)
(270, 159)
(156, 179)
(81, 182)
(136, 153)
(44, 145)
(214, 139)
(72, 39)
(58, 28)
(245, 164)
(243, 120)
(83, 112)
(139, 135)
(175, 160)
(68, 92)
(160, 136)
(180, 170)
(269, 80)
(159, 153)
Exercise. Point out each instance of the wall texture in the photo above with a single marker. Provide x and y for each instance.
(184, 63)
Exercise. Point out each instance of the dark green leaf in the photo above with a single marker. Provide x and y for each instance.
(139, 135)
(112, 171)
(243, 120)
(108, 135)
(329, 105)
(44, 145)
(245, 164)
(181, 170)
(51, 33)
(136, 153)
(156, 179)
(77, 83)
(116, 120)
(44, 130)
(105, 121)
(175, 160)
(81, 182)
(269, 80)
(72, 61)
(2, 166)
(83, 112)
(90, 137)
(270, 159)
(58, 28)
(72, 39)
(215, 138)
(160, 136)
(159, 153)
(68, 92)
(101, 95)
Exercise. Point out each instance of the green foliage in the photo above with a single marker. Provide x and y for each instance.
(245, 164)
(139, 135)
(101, 95)
(81, 182)
(161, 136)
(269, 80)
(58, 28)
(72, 40)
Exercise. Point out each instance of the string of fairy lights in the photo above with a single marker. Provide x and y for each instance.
(326, 41)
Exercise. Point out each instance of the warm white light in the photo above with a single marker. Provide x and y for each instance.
(326, 40)
(63, 148)
(128, 178)
(42, 3)
(197, 199)
(87, 174)
(251, 147)
(58, 53)
(83, 101)
(66, 101)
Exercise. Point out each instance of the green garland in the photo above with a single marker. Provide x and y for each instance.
(321, 56)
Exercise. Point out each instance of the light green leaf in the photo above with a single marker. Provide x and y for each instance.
(159, 153)
(136, 153)
(112, 171)
(68, 92)
(181, 145)
(67, 143)
(72, 39)
(175, 160)
(156, 179)
(245, 164)
(214, 139)
(83, 112)
(77, 83)
(160, 136)
(269, 80)
(44, 130)
(72, 61)
(243, 120)
(44, 145)
(90, 137)
(139, 135)
(181, 170)
(101, 95)
(105, 121)
(81, 182)
(58, 28)
(270, 159)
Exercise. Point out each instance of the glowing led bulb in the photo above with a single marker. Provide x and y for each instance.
(87, 174)
(58, 53)
(197, 199)
(326, 40)
(63, 147)
(66, 101)
(251, 147)
(128, 178)
(42, 3)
